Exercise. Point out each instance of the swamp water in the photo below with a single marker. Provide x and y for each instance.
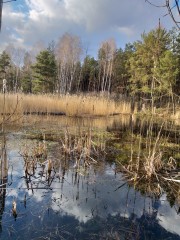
(77, 200)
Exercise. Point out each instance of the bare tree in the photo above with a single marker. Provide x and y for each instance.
(173, 9)
(17, 58)
(106, 61)
(68, 52)
(36, 49)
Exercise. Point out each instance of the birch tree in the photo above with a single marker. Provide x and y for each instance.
(17, 57)
(68, 52)
(106, 60)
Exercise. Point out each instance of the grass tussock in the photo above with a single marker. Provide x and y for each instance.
(70, 105)
(79, 150)
(149, 165)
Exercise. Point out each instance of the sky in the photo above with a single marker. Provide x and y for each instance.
(26, 22)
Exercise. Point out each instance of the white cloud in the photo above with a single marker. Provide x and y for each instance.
(168, 218)
(92, 20)
(100, 199)
(126, 30)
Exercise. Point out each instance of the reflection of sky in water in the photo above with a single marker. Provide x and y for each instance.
(168, 218)
(78, 199)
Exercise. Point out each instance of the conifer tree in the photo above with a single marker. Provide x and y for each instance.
(148, 62)
(89, 74)
(26, 74)
(44, 79)
(4, 65)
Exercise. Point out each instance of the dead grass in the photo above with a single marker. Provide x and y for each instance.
(79, 149)
(176, 117)
(70, 105)
(10, 109)
(12, 103)
(149, 166)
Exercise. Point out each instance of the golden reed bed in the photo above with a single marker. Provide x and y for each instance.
(70, 105)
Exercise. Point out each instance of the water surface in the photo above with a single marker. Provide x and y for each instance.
(91, 203)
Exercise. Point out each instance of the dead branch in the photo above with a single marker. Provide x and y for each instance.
(173, 9)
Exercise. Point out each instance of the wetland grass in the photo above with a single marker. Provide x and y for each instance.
(79, 147)
(151, 164)
(69, 105)
(76, 149)
(10, 109)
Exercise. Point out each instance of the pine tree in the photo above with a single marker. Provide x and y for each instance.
(146, 63)
(175, 39)
(4, 67)
(44, 79)
(89, 74)
(26, 75)
(121, 69)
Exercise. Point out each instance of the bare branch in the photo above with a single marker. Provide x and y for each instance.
(170, 8)
(154, 5)
(177, 5)
(9, 1)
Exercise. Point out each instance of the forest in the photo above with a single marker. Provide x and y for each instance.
(147, 71)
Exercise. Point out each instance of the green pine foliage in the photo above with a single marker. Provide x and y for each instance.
(153, 66)
(44, 77)
(26, 78)
(4, 66)
(89, 74)
(4, 62)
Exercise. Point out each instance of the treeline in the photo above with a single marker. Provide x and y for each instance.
(148, 69)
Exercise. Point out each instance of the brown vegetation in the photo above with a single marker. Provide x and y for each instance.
(70, 105)
(150, 164)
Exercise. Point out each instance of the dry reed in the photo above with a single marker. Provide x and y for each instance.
(176, 117)
(70, 105)
(149, 167)
(82, 149)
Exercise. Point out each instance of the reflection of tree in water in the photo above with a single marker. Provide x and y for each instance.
(148, 156)
(3, 178)
(173, 195)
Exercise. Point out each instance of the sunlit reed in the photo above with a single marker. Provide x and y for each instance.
(70, 105)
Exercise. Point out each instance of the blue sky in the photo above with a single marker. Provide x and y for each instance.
(26, 22)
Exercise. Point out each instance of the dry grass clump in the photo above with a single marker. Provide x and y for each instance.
(70, 105)
(79, 149)
(148, 166)
(35, 157)
(10, 109)
(12, 104)
(176, 117)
